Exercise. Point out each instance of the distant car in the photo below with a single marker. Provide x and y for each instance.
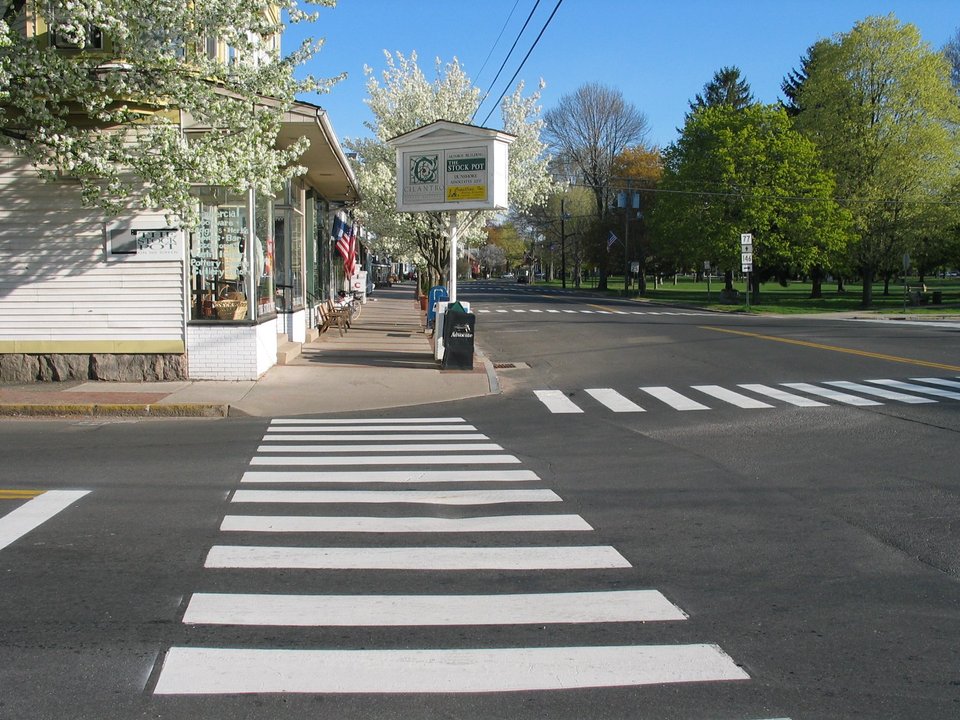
(507, 276)
(523, 279)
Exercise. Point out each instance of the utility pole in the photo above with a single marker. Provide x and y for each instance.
(563, 245)
(627, 204)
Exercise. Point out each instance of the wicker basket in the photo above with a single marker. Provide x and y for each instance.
(231, 309)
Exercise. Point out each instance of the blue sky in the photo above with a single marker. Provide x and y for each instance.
(658, 54)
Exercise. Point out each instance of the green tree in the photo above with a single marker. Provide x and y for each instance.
(405, 100)
(138, 101)
(726, 88)
(734, 171)
(879, 104)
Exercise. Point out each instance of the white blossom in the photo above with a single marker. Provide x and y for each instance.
(111, 117)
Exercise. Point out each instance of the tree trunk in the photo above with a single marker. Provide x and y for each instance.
(840, 288)
(816, 280)
(755, 288)
(728, 280)
(886, 284)
(867, 297)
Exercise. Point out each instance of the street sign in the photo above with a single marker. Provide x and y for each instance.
(746, 258)
(747, 267)
(706, 264)
(746, 239)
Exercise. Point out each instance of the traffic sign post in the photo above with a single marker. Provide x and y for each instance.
(746, 260)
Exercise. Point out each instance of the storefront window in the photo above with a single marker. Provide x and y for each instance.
(265, 256)
(218, 260)
(288, 236)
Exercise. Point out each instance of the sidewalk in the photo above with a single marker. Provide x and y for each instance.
(385, 360)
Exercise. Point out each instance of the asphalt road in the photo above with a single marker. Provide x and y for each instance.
(810, 551)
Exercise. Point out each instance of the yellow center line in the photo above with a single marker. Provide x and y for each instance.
(834, 348)
(601, 307)
(19, 494)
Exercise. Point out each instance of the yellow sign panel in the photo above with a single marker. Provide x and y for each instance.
(466, 192)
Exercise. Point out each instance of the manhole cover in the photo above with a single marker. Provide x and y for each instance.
(510, 365)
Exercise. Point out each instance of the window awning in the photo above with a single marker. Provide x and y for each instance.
(328, 170)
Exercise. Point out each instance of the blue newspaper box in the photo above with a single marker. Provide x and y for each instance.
(438, 293)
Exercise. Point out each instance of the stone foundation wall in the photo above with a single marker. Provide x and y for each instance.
(26, 368)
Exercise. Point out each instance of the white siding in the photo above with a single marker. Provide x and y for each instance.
(55, 283)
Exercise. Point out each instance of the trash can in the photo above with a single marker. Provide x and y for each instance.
(438, 293)
(937, 298)
(458, 330)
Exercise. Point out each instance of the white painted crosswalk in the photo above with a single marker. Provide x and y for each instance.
(753, 396)
(204, 671)
(429, 610)
(311, 493)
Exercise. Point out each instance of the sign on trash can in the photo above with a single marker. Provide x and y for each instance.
(458, 332)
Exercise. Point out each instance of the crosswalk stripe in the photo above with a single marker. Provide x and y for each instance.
(430, 497)
(382, 447)
(366, 421)
(430, 610)
(519, 310)
(729, 396)
(501, 311)
(386, 476)
(205, 671)
(315, 524)
(570, 311)
(783, 395)
(556, 401)
(939, 381)
(878, 392)
(553, 311)
(673, 398)
(575, 557)
(371, 428)
(831, 394)
(613, 400)
(917, 388)
(33, 513)
(276, 437)
(353, 460)
(536, 311)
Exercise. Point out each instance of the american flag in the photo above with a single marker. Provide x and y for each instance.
(345, 237)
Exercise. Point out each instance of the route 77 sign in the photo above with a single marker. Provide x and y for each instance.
(746, 252)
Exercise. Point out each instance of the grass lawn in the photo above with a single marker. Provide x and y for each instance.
(795, 298)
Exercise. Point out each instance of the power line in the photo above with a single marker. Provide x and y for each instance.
(504, 63)
(522, 62)
(497, 41)
(765, 196)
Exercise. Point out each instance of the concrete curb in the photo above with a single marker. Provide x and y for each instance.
(117, 410)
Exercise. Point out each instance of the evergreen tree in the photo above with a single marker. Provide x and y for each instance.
(726, 88)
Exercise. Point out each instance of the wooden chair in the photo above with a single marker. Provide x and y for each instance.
(339, 315)
(327, 317)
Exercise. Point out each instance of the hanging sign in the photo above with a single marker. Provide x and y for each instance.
(450, 166)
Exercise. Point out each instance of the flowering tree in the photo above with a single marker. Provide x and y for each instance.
(406, 100)
(138, 100)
